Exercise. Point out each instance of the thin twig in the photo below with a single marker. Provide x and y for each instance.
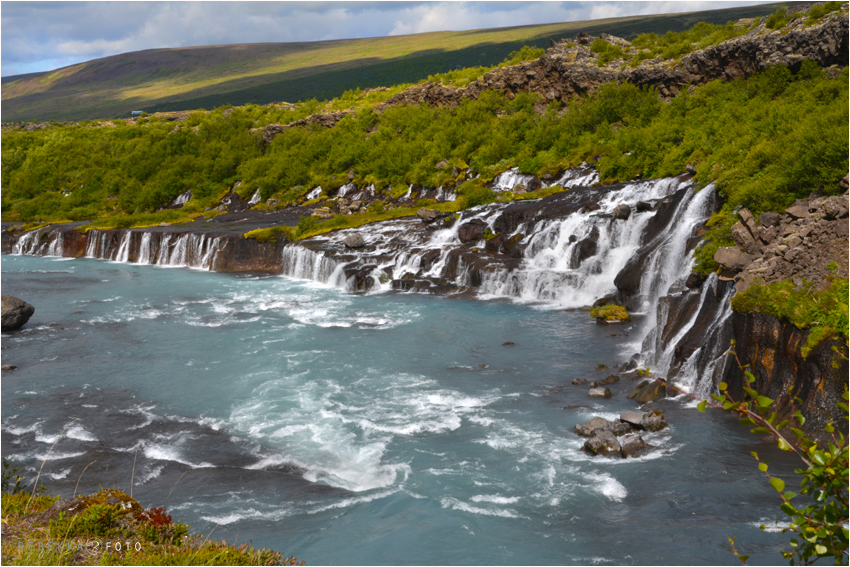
(38, 476)
(172, 489)
(81, 476)
(133, 475)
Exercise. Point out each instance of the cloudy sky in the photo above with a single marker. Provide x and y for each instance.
(40, 36)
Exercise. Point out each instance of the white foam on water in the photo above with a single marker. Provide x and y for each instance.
(150, 473)
(455, 504)
(166, 452)
(610, 487)
(495, 498)
(348, 502)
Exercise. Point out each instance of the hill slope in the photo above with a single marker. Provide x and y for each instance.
(210, 76)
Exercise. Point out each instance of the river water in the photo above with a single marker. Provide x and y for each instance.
(389, 428)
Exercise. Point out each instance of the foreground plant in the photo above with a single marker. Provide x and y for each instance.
(111, 528)
(819, 522)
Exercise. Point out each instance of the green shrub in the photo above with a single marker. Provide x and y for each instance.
(526, 53)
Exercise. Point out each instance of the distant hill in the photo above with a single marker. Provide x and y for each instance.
(210, 76)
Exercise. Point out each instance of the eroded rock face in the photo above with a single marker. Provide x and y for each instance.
(773, 350)
(15, 312)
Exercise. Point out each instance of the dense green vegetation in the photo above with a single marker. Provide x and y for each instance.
(823, 312)
(765, 141)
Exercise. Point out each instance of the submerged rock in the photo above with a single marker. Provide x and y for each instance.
(15, 312)
(579, 381)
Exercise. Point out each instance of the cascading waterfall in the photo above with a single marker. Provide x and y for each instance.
(551, 270)
(189, 250)
(305, 264)
(33, 243)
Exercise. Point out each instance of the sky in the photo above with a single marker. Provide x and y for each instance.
(41, 36)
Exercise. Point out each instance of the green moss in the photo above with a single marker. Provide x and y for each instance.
(823, 313)
(610, 312)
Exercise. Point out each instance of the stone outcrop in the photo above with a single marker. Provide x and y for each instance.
(15, 312)
(798, 245)
(569, 68)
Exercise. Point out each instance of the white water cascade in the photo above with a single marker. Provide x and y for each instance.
(39, 243)
(190, 250)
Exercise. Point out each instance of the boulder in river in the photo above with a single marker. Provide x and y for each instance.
(599, 393)
(632, 417)
(622, 212)
(593, 425)
(648, 391)
(633, 446)
(579, 381)
(602, 443)
(427, 215)
(15, 312)
(653, 421)
(354, 240)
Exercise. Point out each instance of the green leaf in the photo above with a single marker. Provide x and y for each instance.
(782, 424)
(818, 458)
(722, 386)
(763, 467)
(759, 430)
(749, 377)
(778, 484)
(788, 508)
(701, 405)
(783, 445)
(764, 401)
(751, 393)
(754, 454)
(720, 398)
(820, 549)
(789, 495)
(798, 433)
(772, 417)
(729, 405)
(829, 428)
(743, 557)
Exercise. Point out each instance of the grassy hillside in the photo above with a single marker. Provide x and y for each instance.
(208, 77)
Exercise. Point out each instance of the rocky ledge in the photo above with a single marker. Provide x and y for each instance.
(798, 245)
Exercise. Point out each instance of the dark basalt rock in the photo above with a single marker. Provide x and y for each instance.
(15, 312)
(471, 231)
(773, 351)
(586, 247)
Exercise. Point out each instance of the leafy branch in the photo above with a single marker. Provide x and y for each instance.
(821, 526)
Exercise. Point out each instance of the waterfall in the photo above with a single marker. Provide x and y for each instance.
(553, 269)
(145, 254)
(305, 264)
(38, 243)
(123, 254)
(255, 198)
